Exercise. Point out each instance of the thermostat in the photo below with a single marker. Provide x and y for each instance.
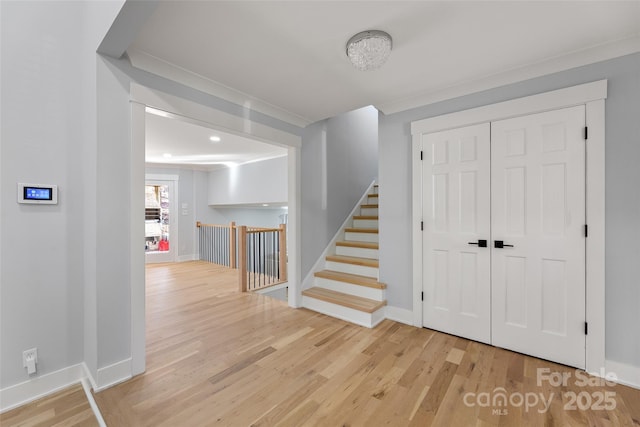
(38, 194)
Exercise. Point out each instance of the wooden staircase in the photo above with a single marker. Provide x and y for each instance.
(348, 287)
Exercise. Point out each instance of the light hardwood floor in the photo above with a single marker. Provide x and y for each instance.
(217, 357)
(66, 408)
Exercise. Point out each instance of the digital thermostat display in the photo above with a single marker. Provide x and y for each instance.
(38, 194)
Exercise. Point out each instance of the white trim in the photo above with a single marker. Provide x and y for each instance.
(212, 117)
(360, 318)
(591, 94)
(398, 314)
(113, 374)
(137, 235)
(318, 265)
(628, 375)
(238, 125)
(592, 55)
(86, 386)
(547, 101)
(147, 62)
(595, 248)
(174, 220)
(41, 386)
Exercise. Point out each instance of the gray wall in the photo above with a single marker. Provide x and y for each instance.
(622, 197)
(65, 270)
(339, 160)
(193, 189)
(265, 181)
(48, 135)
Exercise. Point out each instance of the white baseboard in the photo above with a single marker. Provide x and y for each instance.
(398, 314)
(190, 257)
(113, 374)
(628, 375)
(40, 386)
(86, 385)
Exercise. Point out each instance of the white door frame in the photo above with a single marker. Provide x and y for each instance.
(141, 97)
(174, 239)
(593, 96)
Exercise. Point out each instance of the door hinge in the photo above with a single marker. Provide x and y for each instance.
(421, 155)
(586, 230)
(421, 225)
(586, 328)
(421, 296)
(586, 132)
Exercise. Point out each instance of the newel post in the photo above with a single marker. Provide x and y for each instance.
(283, 252)
(242, 258)
(232, 244)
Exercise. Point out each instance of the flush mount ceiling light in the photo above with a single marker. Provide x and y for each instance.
(215, 139)
(370, 49)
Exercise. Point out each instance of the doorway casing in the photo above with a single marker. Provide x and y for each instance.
(141, 97)
(593, 96)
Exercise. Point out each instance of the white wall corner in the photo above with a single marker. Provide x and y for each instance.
(35, 388)
(318, 265)
(113, 374)
(628, 375)
(398, 314)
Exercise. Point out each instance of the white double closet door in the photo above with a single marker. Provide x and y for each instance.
(518, 186)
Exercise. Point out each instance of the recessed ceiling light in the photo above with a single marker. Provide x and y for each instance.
(215, 139)
(166, 155)
(265, 204)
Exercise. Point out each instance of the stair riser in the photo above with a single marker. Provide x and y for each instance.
(357, 252)
(368, 211)
(365, 223)
(372, 200)
(351, 269)
(350, 288)
(368, 320)
(375, 190)
(361, 237)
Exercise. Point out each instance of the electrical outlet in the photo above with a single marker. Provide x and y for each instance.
(27, 356)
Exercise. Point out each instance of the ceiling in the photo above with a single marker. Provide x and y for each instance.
(287, 58)
(177, 141)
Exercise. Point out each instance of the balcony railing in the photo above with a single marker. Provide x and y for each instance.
(259, 254)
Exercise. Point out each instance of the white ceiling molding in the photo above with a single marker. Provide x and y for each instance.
(160, 67)
(215, 118)
(553, 65)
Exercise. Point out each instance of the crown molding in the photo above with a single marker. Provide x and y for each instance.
(556, 64)
(160, 67)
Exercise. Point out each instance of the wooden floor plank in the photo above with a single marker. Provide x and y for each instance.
(68, 407)
(218, 357)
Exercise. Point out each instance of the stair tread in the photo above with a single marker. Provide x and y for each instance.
(372, 195)
(367, 262)
(361, 230)
(354, 279)
(351, 301)
(369, 206)
(354, 244)
(365, 217)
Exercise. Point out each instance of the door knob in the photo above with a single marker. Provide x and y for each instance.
(481, 243)
(499, 244)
